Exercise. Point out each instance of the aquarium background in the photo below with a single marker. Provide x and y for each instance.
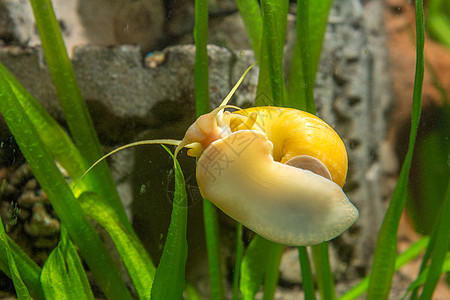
(134, 62)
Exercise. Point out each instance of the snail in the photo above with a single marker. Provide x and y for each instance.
(278, 171)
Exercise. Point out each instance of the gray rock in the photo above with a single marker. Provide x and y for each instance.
(16, 22)
(290, 267)
(123, 22)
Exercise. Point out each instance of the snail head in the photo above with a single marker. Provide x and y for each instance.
(211, 126)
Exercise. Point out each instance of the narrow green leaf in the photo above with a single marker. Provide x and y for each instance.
(384, 258)
(55, 138)
(433, 244)
(254, 266)
(136, 259)
(201, 82)
(442, 232)
(251, 15)
(324, 277)
(169, 279)
(69, 94)
(211, 226)
(423, 276)
(424, 204)
(437, 24)
(301, 81)
(192, 293)
(201, 57)
(11, 268)
(72, 102)
(59, 194)
(318, 18)
(274, 15)
(264, 89)
(272, 271)
(411, 253)
(63, 276)
(28, 269)
(238, 262)
(311, 24)
(307, 277)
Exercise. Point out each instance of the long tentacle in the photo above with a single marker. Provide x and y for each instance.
(233, 90)
(147, 142)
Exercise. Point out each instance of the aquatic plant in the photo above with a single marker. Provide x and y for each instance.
(42, 141)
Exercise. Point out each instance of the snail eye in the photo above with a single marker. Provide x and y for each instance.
(310, 163)
(242, 123)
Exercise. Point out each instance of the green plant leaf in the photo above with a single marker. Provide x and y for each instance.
(201, 57)
(238, 262)
(192, 293)
(384, 258)
(56, 139)
(169, 279)
(60, 195)
(211, 223)
(274, 16)
(442, 242)
(423, 276)
(52, 135)
(136, 259)
(61, 70)
(437, 21)
(312, 19)
(63, 276)
(72, 102)
(426, 202)
(251, 15)
(10, 267)
(307, 277)
(323, 273)
(272, 272)
(28, 269)
(250, 12)
(411, 253)
(254, 266)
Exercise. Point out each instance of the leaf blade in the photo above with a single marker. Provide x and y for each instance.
(136, 259)
(59, 193)
(69, 95)
(169, 281)
(62, 275)
(386, 247)
(11, 268)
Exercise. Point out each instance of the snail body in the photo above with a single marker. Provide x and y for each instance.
(278, 171)
(284, 204)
